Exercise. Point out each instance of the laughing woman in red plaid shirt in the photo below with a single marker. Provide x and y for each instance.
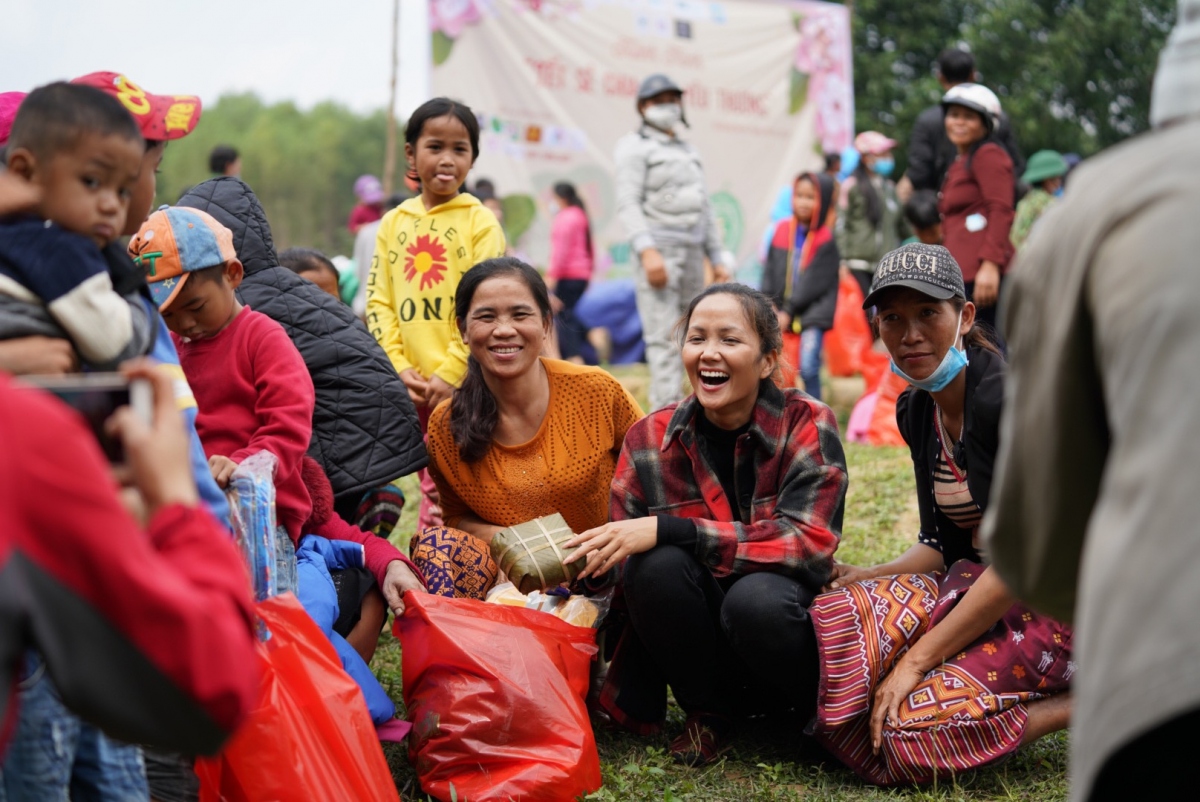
(728, 507)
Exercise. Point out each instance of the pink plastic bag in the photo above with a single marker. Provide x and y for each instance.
(860, 418)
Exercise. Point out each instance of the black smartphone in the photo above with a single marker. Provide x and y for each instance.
(96, 396)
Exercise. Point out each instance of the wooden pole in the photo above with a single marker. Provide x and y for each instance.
(389, 158)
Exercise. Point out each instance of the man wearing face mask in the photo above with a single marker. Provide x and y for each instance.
(871, 222)
(663, 204)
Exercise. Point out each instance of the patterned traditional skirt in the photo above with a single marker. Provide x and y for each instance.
(966, 713)
(454, 563)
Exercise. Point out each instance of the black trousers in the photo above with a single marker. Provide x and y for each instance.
(571, 333)
(732, 646)
(985, 316)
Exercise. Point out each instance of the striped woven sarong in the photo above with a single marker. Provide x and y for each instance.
(966, 713)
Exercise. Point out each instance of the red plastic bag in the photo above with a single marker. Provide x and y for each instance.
(789, 362)
(850, 336)
(310, 736)
(883, 430)
(874, 366)
(496, 698)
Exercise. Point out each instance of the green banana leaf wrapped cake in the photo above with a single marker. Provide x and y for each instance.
(531, 554)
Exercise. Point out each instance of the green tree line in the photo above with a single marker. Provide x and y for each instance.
(301, 164)
(1073, 75)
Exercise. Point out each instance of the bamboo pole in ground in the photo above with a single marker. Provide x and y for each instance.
(389, 158)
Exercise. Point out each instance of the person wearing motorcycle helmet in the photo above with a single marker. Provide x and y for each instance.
(663, 204)
(930, 153)
(977, 196)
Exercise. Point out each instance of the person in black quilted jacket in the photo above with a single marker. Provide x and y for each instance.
(365, 429)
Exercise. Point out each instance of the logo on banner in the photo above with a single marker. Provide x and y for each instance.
(427, 257)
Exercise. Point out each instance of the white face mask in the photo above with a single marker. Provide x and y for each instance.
(664, 116)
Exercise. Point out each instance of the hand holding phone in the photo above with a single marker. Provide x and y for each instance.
(135, 418)
(96, 396)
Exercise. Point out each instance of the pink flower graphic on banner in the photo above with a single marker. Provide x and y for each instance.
(834, 123)
(820, 49)
(451, 16)
(820, 74)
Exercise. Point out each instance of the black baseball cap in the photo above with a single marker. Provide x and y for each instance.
(928, 269)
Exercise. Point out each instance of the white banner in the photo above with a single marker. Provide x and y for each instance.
(768, 90)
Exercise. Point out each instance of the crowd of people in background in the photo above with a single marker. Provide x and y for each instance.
(717, 512)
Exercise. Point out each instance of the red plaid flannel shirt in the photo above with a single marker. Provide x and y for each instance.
(799, 490)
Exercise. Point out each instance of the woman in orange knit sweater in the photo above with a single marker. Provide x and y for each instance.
(522, 438)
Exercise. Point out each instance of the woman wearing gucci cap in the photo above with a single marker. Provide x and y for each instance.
(974, 683)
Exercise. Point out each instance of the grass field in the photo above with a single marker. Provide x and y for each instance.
(772, 760)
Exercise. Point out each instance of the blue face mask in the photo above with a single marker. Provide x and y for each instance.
(1058, 193)
(884, 167)
(952, 364)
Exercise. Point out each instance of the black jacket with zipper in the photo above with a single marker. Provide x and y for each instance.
(976, 453)
(813, 299)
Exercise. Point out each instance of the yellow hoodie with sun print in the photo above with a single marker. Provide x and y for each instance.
(420, 256)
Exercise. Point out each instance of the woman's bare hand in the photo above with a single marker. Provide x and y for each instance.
(845, 574)
(894, 689)
(606, 546)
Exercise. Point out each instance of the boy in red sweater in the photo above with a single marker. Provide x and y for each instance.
(252, 388)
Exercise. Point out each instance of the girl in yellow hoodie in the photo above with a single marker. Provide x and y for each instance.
(424, 247)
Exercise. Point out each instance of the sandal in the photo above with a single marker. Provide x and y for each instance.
(703, 740)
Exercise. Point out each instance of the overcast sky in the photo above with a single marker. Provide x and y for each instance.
(302, 50)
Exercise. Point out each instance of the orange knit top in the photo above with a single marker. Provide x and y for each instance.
(566, 468)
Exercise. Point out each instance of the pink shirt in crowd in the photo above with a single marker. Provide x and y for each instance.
(569, 256)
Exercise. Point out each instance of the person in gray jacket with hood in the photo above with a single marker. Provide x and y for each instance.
(365, 429)
(663, 204)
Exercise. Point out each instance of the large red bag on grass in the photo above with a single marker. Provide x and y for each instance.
(310, 736)
(850, 336)
(496, 698)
